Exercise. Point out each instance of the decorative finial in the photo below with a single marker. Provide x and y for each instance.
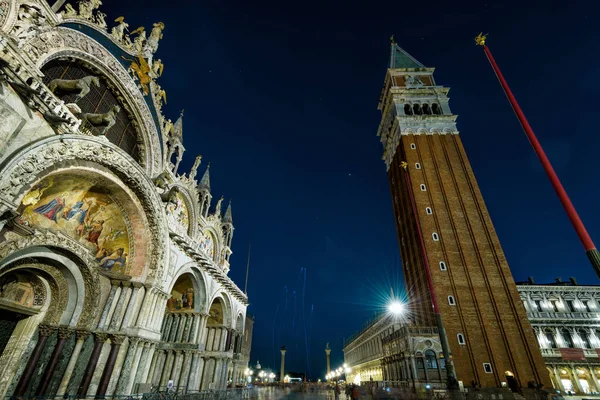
(392, 40)
(404, 165)
(480, 39)
(181, 115)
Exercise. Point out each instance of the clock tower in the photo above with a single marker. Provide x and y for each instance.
(448, 244)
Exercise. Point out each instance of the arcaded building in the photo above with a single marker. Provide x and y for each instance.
(113, 261)
(566, 320)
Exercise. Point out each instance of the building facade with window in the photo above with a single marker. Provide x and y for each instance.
(113, 261)
(391, 351)
(565, 317)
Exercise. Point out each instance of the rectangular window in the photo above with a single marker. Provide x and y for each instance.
(487, 367)
(571, 305)
(538, 305)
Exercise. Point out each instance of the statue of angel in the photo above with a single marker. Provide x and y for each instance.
(118, 31)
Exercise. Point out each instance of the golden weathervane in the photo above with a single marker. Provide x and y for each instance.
(480, 39)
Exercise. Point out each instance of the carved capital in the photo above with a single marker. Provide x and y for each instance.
(46, 330)
(65, 332)
(117, 339)
(82, 334)
(100, 337)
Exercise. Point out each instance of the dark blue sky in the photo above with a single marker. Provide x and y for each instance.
(281, 98)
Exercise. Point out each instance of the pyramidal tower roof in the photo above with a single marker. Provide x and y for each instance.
(205, 181)
(179, 125)
(399, 58)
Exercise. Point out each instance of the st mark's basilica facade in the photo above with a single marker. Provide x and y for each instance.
(113, 262)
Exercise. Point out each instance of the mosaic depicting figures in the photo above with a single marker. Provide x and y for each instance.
(177, 210)
(207, 244)
(79, 208)
(182, 296)
(215, 314)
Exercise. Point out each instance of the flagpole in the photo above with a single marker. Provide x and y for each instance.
(582, 232)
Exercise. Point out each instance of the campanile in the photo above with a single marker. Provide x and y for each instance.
(441, 218)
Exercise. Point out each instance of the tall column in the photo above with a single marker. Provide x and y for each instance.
(120, 308)
(234, 374)
(146, 362)
(174, 327)
(592, 371)
(132, 305)
(210, 339)
(81, 336)
(157, 367)
(573, 373)
(202, 333)
(185, 373)
(168, 324)
(63, 334)
(107, 306)
(134, 367)
(282, 369)
(113, 306)
(328, 354)
(177, 363)
(115, 345)
(44, 331)
(168, 369)
(146, 305)
(122, 384)
(99, 339)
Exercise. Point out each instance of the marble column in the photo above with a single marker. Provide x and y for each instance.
(115, 345)
(161, 304)
(183, 318)
(63, 334)
(158, 367)
(99, 339)
(81, 336)
(135, 366)
(168, 325)
(123, 382)
(168, 369)
(200, 336)
(195, 374)
(116, 374)
(120, 308)
(146, 307)
(210, 339)
(174, 327)
(153, 311)
(44, 331)
(107, 306)
(208, 373)
(132, 305)
(177, 364)
(185, 372)
(146, 363)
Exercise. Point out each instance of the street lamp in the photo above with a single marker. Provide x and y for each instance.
(396, 307)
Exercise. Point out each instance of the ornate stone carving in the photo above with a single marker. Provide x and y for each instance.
(117, 339)
(27, 166)
(82, 334)
(46, 330)
(64, 332)
(63, 41)
(100, 337)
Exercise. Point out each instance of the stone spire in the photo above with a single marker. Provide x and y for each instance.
(227, 218)
(205, 181)
(177, 141)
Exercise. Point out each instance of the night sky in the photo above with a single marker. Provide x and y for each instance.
(281, 97)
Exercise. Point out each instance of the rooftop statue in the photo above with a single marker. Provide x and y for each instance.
(118, 31)
(194, 169)
(142, 71)
(152, 41)
(140, 39)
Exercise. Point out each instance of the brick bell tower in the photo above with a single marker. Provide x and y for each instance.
(444, 226)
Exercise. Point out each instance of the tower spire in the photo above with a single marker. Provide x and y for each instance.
(205, 181)
(227, 217)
